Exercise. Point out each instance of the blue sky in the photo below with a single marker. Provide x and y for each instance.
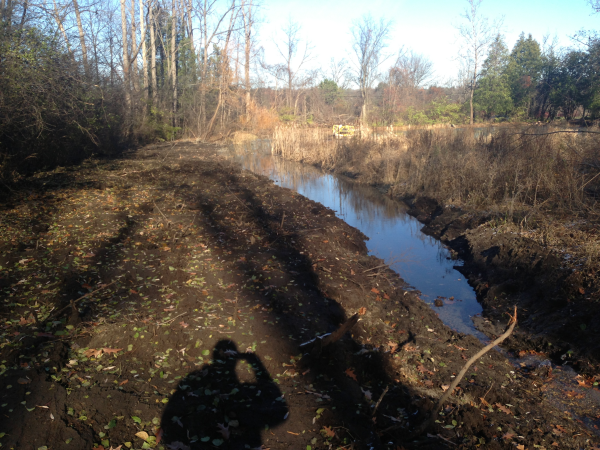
(424, 26)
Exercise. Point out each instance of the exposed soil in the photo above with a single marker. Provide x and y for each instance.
(202, 282)
(560, 311)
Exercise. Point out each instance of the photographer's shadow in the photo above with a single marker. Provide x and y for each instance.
(213, 405)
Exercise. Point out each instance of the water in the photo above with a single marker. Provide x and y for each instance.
(422, 261)
(394, 236)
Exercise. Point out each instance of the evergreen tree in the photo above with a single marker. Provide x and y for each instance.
(524, 71)
(493, 94)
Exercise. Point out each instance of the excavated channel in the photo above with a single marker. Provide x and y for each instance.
(422, 261)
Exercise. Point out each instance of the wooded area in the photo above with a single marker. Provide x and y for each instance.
(94, 76)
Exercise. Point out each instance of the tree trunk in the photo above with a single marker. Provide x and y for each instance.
(247, 48)
(471, 100)
(126, 85)
(25, 5)
(60, 27)
(153, 55)
(81, 39)
(174, 61)
(144, 51)
(133, 60)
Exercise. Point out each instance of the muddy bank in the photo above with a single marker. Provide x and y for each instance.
(154, 301)
(560, 316)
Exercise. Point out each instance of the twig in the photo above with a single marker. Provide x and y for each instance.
(104, 286)
(171, 320)
(461, 374)
(376, 267)
(282, 219)
(380, 398)
(236, 197)
(161, 213)
(487, 392)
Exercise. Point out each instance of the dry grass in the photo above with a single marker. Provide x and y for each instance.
(509, 170)
(544, 184)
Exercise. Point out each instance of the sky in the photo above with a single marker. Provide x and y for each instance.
(427, 28)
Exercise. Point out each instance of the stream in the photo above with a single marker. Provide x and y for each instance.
(422, 261)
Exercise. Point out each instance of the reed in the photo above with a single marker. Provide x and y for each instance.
(509, 169)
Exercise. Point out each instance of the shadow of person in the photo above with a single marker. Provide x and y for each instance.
(214, 407)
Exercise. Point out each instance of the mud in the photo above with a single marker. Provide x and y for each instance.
(165, 304)
(558, 317)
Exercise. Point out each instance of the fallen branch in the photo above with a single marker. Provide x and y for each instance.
(461, 374)
(380, 399)
(161, 213)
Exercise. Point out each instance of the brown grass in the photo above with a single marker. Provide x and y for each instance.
(545, 185)
(510, 170)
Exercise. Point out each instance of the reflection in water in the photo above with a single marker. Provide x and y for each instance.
(394, 236)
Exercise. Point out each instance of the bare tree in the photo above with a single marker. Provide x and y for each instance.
(339, 72)
(296, 52)
(414, 69)
(476, 35)
(369, 40)
(81, 38)
(144, 51)
(248, 10)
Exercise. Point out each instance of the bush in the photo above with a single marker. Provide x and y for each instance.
(49, 114)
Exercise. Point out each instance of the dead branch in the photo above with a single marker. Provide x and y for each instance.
(461, 374)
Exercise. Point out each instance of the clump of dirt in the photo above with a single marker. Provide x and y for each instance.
(165, 302)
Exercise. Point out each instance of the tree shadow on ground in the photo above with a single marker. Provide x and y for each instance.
(215, 400)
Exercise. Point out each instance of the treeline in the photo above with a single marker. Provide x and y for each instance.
(94, 76)
(531, 82)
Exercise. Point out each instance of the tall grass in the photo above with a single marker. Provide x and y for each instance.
(507, 169)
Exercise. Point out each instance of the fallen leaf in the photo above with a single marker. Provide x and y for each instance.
(224, 430)
(375, 290)
(581, 290)
(351, 374)
(328, 432)
(93, 352)
(111, 350)
(23, 381)
(183, 324)
(445, 387)
(123, 382)
(508, 436)
(142, 435)
(393, 346)
(503, 408)
(362, 311)
(483, 402)
(387, 297)
(520, 447)
(559, 429)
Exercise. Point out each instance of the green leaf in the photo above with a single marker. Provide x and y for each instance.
(205, 352)
(205, 439)
(105, 443)
(68, 441)
(136, 419)
(111, 424)
(217, 442)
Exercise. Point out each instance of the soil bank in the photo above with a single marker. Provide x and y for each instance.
(160, 300)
